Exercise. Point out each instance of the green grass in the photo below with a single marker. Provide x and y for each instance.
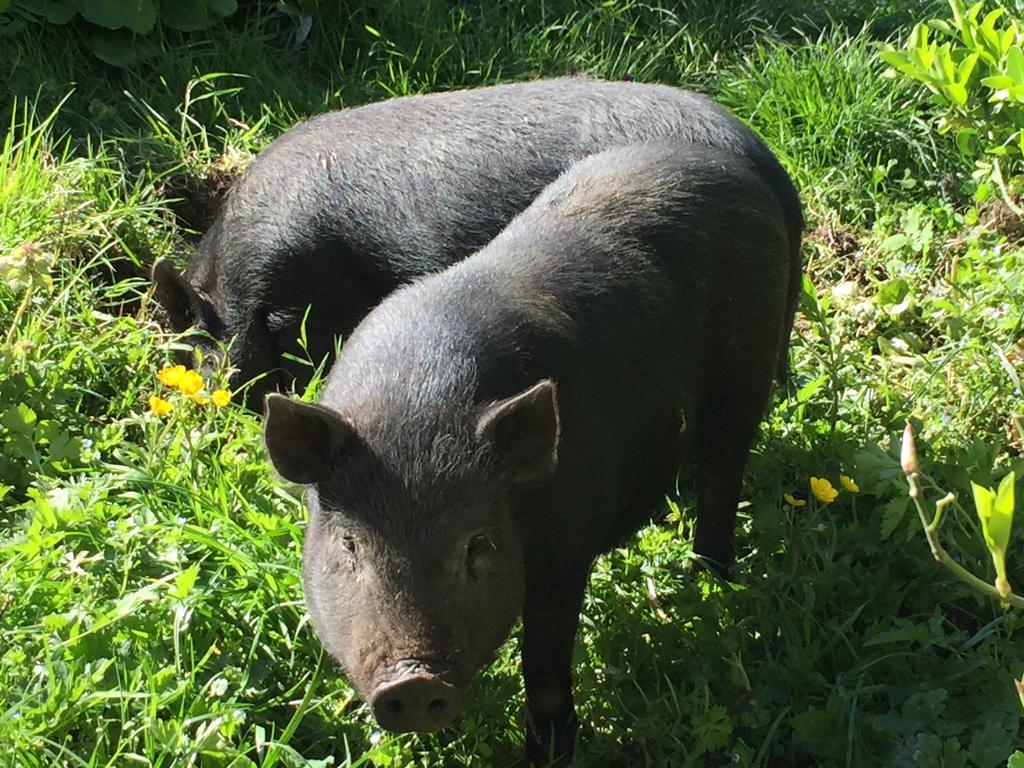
(150, 605)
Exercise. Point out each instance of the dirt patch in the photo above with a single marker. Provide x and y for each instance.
(196, 198)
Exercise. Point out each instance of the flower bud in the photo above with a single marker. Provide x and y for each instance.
(908, 452)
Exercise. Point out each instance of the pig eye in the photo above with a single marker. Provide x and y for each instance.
(480, 544)
(349, 543)
(478, 547)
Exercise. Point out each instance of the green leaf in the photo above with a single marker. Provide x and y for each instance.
(184, 582)
(997, 82)
(1016, 760)
(900, 61)
(1015, 64)
(54, 11)
(63, 447)
(120, 48)
(963, 72)
(896, 290)
(193, 15)
(956, 93)
(809, 298)
(995, 510)
(185, 15)
(222, 8)
(4, 5)
(1003, 507)
(947, 67)
(984, 499)
(991, 744)
(807, 391)
(137, 15)
(963, 140)
(19, 419)
(992, 38)
(892, 515)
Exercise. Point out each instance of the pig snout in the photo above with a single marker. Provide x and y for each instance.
(416, 699)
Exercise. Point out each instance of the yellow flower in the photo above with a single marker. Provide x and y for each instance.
(190, 383)
(221, 397)
(171, 375)
(200, 399)
(823, 490)
(849, 484)
(793, 501)
(159, 406)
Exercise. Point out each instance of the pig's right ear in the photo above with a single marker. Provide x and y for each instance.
(523, 431)
(172, 290)
(302, 438)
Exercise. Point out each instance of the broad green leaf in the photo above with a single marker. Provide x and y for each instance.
(963, 73)
(945, 60)
(120, 48)
(956, 93)
(1003, 507)
(924, 57)
(893, 513)
(989, 24)
(65, 448)
(807, 391)
(808, 297)
(222, 8)
(19, 419)
(893, 292)
(4, 5)
(943, 26)
(996, 82)
(1016, 760)
(193, 15)
(984, 499)
(1015, 64)
(137, 15)
(963, 141)
(991, 37)
(186, 15)
(899, 60)
(184, 582)
(995, 510)
(1009, 36)
(53, 11)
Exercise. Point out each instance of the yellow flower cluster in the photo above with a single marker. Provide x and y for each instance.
(823, 490)
(188, 383)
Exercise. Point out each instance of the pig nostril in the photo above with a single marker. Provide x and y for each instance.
(393, 706)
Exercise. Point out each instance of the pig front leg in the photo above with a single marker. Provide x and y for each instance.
(550, 618)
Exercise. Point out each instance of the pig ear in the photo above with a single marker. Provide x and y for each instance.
(302, 438)
(184, 306)
(524, 430)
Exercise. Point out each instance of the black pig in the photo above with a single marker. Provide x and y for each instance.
(343, 209)
(489, 430)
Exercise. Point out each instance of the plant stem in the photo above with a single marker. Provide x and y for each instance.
(9, 338)
(930, 525)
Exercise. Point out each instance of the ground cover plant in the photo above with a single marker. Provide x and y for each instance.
(150, 605)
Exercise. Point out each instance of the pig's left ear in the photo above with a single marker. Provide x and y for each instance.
(302, 438)
(183, 305)
(524, 431)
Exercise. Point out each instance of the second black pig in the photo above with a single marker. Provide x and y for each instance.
(489, 430)
(348, 206)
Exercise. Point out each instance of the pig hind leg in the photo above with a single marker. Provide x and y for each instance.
(736, 395)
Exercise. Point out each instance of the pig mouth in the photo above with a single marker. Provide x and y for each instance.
(418, 695)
